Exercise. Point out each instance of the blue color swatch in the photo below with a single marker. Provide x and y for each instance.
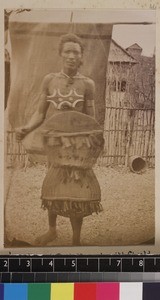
(15, 291)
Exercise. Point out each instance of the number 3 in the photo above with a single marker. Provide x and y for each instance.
(28, 263)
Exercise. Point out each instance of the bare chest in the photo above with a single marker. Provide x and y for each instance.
(66, 92)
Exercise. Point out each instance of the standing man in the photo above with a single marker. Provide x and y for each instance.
(67, 90)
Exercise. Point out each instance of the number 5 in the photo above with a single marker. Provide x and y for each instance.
(73, 263)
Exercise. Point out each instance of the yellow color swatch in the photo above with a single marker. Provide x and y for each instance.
(62, 291)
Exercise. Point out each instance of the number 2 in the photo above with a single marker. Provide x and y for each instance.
(5, 263)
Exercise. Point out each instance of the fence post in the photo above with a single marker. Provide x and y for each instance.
(130, 126)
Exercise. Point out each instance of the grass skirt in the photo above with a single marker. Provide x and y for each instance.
(71, 191)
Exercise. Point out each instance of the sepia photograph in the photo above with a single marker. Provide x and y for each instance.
(79, 114)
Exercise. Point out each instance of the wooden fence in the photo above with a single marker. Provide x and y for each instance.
(15, 152)
(127, 132)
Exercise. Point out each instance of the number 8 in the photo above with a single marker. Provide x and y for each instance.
(141, 263)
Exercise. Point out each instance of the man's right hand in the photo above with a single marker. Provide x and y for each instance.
(21, 133)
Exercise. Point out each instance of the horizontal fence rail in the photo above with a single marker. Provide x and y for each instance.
(127, 132)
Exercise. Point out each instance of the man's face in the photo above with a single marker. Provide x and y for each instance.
(71, 55)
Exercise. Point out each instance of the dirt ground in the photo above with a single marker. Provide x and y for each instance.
(128, 201)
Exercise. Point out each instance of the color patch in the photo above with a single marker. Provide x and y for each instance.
(85, 291)
(15, 291)
(151, 291)
(107, 291)
(1, 292)
(62, 291)
(81, 291)
(38, 291)
(131, 291)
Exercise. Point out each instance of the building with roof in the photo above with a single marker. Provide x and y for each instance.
(118, 74)
(135, 50)
(142, 79)
(130, 77)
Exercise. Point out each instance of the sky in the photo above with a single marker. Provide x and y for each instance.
(143, 35)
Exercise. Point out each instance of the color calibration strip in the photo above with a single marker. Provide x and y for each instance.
(79, 291)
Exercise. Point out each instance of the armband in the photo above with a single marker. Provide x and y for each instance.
(90, 103)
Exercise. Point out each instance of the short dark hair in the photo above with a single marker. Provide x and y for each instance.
(70, 37)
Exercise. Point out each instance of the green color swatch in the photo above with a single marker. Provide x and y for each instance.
(39, 291)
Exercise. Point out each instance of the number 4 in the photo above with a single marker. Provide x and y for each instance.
(51, 263)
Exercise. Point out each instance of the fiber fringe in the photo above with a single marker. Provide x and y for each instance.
(72, 208)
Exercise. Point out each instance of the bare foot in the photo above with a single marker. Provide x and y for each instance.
(44, 239)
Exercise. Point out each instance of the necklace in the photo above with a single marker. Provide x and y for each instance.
(70, 80)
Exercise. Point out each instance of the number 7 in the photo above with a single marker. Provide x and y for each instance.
(118, 262)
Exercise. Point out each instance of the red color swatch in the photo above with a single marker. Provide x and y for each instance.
(85, 291)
